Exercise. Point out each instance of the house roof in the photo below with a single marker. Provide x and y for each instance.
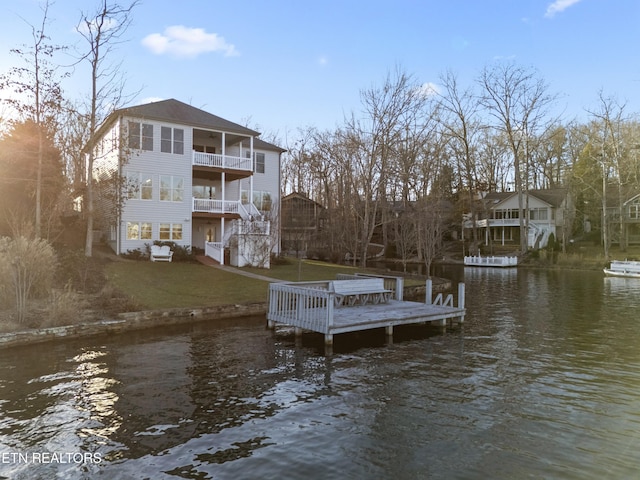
(175, 111)
(552, 196)
(632, 199)
(262, 145)
(301, 196)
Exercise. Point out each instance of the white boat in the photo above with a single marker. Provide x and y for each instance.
(499, 261)
(623, 268)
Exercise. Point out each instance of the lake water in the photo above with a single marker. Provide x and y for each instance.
(542, 381)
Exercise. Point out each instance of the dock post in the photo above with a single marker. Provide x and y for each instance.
(298, 332)
(388, 330)
(399, 288)
(328, 339)
(429, 292)
(461, 300)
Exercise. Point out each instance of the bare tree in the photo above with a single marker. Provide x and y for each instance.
(102, 30)
(610, 118)
(463, 129)
(39, 81)
(518, 101)
(430, 228)
(405, 234)
(372, 142)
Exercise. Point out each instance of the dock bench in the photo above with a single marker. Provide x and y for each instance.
(360, 291)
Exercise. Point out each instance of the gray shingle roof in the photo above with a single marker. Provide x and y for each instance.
(178, 112)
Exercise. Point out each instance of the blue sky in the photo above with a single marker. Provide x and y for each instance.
(280, 65)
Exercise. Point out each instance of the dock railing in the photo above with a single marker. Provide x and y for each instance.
(491, 261)
(307, 305)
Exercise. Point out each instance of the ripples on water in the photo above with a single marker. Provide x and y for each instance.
(542, 381)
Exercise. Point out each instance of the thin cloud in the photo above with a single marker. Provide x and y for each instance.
(184, 42)
(429, 89)
(559, 6)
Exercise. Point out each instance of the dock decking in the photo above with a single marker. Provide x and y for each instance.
(312, 306)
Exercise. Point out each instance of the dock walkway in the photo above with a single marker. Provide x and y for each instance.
(312, 306)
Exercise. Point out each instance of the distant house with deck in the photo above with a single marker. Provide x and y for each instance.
(548, 212)
(625, 221)
(302, 223)
(189, 177)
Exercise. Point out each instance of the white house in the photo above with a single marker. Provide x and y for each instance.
(192, 178)
(548, 211)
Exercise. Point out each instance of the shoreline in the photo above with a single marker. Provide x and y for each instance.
(149, 319)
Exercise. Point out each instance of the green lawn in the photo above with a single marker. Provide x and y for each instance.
(155, 285)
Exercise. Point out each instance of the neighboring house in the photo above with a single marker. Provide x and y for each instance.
(548, 212)
(630, 221)
(191, 178)
(302, 221)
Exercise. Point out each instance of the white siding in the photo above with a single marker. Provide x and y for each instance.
(155, 211)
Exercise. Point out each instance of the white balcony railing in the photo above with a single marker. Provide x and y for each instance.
(206, 205)
(202, 159)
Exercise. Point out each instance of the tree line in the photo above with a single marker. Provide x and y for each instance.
(46, 158)
(390, 168)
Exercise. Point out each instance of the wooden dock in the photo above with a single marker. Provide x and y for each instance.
(314, 306)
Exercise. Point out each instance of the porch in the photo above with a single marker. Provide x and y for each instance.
(232, 207)
(222, 162)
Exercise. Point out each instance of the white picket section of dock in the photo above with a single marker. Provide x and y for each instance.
(312, 306)
(499, 261)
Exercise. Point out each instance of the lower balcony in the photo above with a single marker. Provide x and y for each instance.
(206, 205)
(235, 208)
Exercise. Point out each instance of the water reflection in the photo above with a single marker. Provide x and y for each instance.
(541, 381)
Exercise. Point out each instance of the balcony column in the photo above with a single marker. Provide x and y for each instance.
(224, 150)
(252, 168)
(222, 191)
(222, 242)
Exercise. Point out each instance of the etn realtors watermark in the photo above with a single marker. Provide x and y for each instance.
(50, 458)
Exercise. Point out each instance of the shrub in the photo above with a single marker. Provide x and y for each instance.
(137, 254)
(83, 273)
(65, 307)
(27, 267)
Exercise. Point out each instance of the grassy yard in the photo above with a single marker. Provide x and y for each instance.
(155, 285)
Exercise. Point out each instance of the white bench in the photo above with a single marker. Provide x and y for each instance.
(351, 292)
(160, 253)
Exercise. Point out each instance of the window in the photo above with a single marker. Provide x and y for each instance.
(258, 163)
(139, 231)
(140, 136)
(170, 231)
(538, 214)
(171, 188)
(204, 191)
(262, 200)
(139, 186)
(172, 140)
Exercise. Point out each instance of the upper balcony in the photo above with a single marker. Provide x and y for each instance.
(209, 164)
